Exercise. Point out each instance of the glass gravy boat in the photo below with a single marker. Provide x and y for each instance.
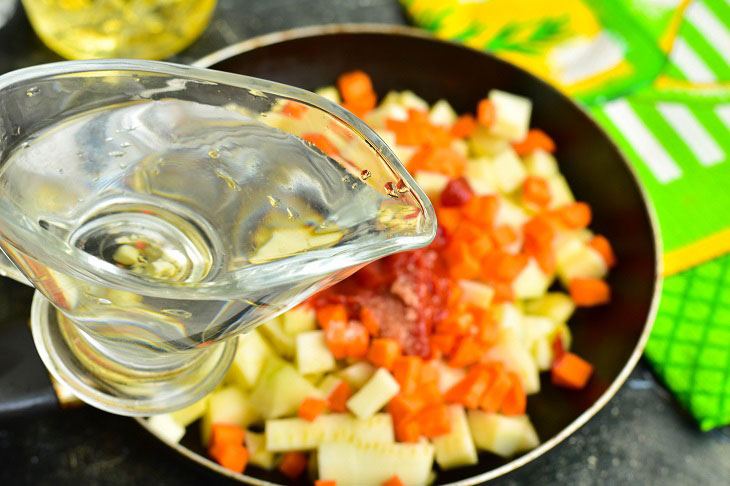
(160, 210)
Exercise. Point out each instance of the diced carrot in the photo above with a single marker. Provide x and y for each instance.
(293, 464)
(486, 113)
(504, 235)
(357, 340)
(464, 126)
(294, 109)
(233, 457)
(448, 218)
(443, 342)
(354, 85)
(434, 420)
(429, 393)
(429, 373)
(539, 233)
(407, 430)
(481, 210)
(545, 259)
(558, 348)
(502, 292)
(571, 371)
(456, 193)
(370, 321)
(329, 313)
(465, 266)
(535, 139)
(311, 407)
(383, 352)
(444, 160)
(515, 401)
(602, 246)
(487, 330)
(407, 372)
(468, 350)
(325, 482)
(338, 397)
(455, 324)
(361, 106)
(588, 292)
(503, 266)
(469, 390)
(336, 336)
(492, 398)
(575, 215)
(227, 434)
(481, 245)
(393, 481)
(402, 406)
(535, 190)
(321, 142)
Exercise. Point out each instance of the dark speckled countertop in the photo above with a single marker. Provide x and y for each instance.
(641, 437)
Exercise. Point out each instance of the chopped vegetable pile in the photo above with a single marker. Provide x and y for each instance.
(427, 355)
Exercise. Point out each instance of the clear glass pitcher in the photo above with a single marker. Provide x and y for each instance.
(160, 209)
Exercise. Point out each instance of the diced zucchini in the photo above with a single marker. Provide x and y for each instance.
(357, 374)
(280, 390)
(286, 242)
(476, 293)
(481, 177)
(539, 335)
(191, 413)
(456, 448)
(409, 99)
(540, 163)
(374, 395)
(442, 113)
(313, 354)
(295, 434)
(331, 93)
(555, 305)
(448, 376)
(531, 282)
(229, 405)
(509, 318)
(432, 183)
(500, 434)
(258, 455)
(483, 143)
(328, 384)
(283, 342)
(358, 463)
(511, 215)
(167, 427)
(560, 193)
(299, 319)
(251, 353)
(508, 170)
(584, 263)
(460, 146)
(512, 115)
(510, 350)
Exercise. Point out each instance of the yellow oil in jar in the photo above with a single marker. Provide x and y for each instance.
(140, 29)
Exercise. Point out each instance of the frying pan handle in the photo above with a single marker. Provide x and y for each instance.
(25, 386)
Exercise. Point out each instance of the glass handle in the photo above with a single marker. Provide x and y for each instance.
(8, 269)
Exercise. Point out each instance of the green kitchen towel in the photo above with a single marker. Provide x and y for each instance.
(656, 75)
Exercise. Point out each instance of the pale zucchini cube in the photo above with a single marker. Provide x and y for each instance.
(460, 146)
(508, 170)
(280, 390)
(539, 336)
(295, 434)
(410, 100)
(403, 152)
(442, 114)
(377, 118)
(283, 342)
(251, 353)
(541, 164)
(500, 434)
(555, 305)
(511, 351)
(313, 355)
(512, 115)
(258, 455)
(331, 93)
(191, 413)
(328, 384)
(228, 405)
(286, 242)
(531, 282)
(448, 376)
(432, 183)
(167, 427)
(480, 175)
(374, 395)
(476, 293)
(483, 143)
(359, 463)
(585, 263)
(357, 374)
(456, 448)
(560, 193)
(510, 214)
(299, 319)
(509, 318)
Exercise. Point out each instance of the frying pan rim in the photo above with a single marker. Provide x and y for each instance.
(400, 30)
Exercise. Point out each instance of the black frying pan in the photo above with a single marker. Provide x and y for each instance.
(611, 337)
